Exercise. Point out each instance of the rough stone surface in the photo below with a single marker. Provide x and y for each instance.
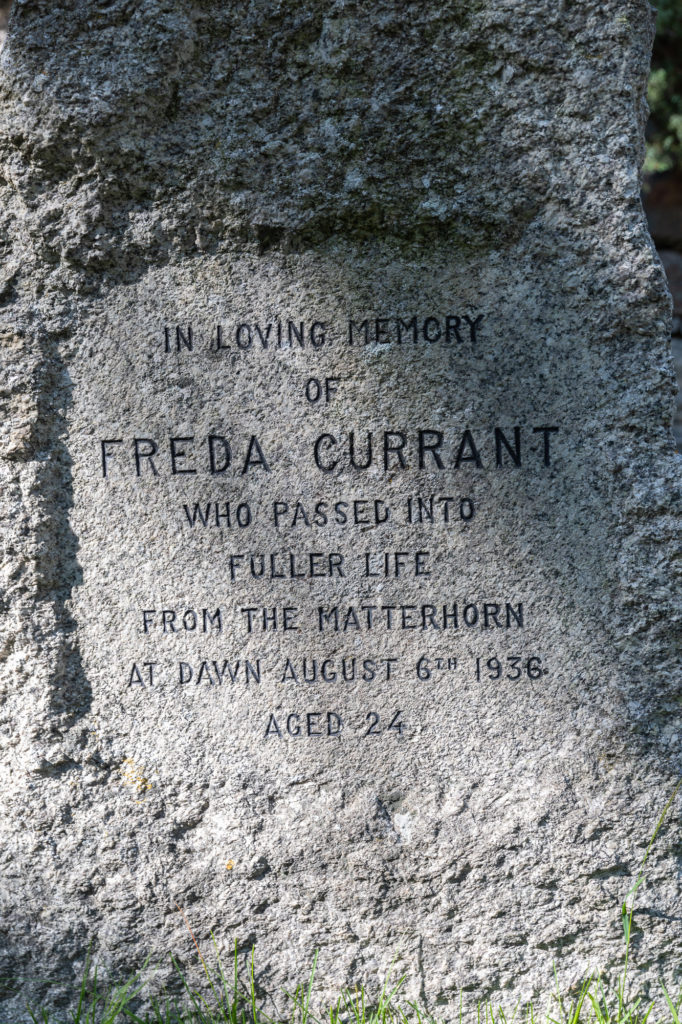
(677, 360)
(672, 264)
(166, 165)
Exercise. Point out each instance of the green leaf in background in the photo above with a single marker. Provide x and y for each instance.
(664, 132)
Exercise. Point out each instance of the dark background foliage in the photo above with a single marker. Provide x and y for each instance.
(664, 134)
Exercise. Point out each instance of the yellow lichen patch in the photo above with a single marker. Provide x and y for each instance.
(229, 865)
(132, 775)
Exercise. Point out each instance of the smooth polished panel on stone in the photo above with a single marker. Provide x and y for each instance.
(341, 504)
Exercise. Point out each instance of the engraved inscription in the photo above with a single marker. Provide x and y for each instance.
(289, 533)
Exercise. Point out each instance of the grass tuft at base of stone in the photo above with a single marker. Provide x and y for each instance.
(231, 999)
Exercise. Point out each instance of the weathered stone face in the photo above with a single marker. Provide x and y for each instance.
(341, 502)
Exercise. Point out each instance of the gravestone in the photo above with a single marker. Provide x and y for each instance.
(340, 502)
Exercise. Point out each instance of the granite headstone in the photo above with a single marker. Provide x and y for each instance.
(341, 508)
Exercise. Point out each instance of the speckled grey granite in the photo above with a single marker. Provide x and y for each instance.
(186, 707)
